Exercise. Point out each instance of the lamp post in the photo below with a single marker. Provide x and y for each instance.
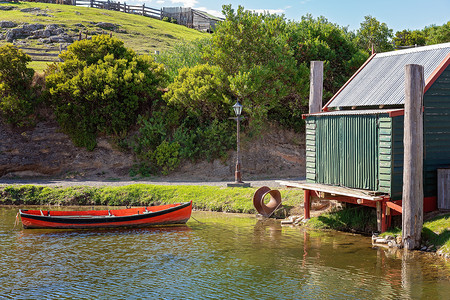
(237, 174)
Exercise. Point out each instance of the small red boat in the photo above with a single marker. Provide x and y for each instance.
(130, 217)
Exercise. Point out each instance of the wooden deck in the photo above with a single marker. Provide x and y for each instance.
(334, 190)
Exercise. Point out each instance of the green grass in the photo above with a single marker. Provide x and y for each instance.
(143, 34)
(358, 218)
(203, 197)
(434, 232)
(39, 66)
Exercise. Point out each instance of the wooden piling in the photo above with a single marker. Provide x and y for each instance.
(412, 200)
(307, 204)
(316, 87)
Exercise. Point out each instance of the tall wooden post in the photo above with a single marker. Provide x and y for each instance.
(412, 202)
(316, 87)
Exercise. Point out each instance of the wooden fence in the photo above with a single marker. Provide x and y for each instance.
(110, 5)
(44, 54)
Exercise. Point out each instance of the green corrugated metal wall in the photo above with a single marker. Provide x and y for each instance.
(397, 158)
(436, 138)
(347, 151)
(436, 131)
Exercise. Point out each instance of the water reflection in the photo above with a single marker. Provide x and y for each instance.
(225, 256)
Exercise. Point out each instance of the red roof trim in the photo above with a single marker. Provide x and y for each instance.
(325, 108)
(437, 72)
(396, 113)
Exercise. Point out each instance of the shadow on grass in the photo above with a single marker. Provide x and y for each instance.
(359, 219)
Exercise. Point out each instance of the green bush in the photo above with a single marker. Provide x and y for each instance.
(201, 90)
(206, 142)
(17, 96)
(184, 54)
(100, 88)
(167, 156)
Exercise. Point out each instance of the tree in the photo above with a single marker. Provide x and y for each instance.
(438, 34)
(252, 50)
(374, 34)
(409, 38)
(201, 90)
(17, 96)
(318, 39)
(100, 87)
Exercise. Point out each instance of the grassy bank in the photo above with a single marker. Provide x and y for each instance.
(354, 219)
(435, 232)
(143, 34)
(203, 197)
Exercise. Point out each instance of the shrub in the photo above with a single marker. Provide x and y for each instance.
(17, 96)
(100, 88)
(184, 54)
(201, 90)
(167, 156)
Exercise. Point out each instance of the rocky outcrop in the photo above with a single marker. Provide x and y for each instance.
(7, 7)
(45, 151)
(52, 33)
(105, 25)
(7, 24)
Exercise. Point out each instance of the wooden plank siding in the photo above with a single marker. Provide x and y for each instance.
(311, 150)
(384, 154)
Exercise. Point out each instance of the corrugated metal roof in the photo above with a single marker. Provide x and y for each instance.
(353, 112)
(382, 80)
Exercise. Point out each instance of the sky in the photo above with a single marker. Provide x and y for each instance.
(397, 14)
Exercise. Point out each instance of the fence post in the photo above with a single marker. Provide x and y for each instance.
(316, 87)
(161, 14)
(412, 198)
(92, 3)
(108, 5)
(143, 9)
(125, 7)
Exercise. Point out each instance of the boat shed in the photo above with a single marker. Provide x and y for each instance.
(354, 146)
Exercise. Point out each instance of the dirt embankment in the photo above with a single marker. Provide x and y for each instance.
(44, 151)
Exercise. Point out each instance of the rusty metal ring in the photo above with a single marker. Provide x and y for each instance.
(258, 201)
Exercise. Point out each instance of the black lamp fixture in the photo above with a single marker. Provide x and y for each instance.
(237, 174)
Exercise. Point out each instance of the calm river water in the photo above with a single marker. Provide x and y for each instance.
(227, 256)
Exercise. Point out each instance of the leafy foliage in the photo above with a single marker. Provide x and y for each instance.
(320, 40)
(184, 54)
(202, 91)
(437, 34)
(100, 87)
(409, 38)
(253, 52)
(17, 96)
(167, 156)
(160, 146)
(376, 34)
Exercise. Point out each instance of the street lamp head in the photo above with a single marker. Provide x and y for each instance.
(237, 108)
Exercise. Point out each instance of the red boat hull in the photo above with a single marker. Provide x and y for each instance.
(130, 217)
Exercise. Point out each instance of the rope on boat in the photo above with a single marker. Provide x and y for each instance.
(16, 221)
(197, 220)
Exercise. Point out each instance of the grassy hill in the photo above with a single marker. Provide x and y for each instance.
(143, 34)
